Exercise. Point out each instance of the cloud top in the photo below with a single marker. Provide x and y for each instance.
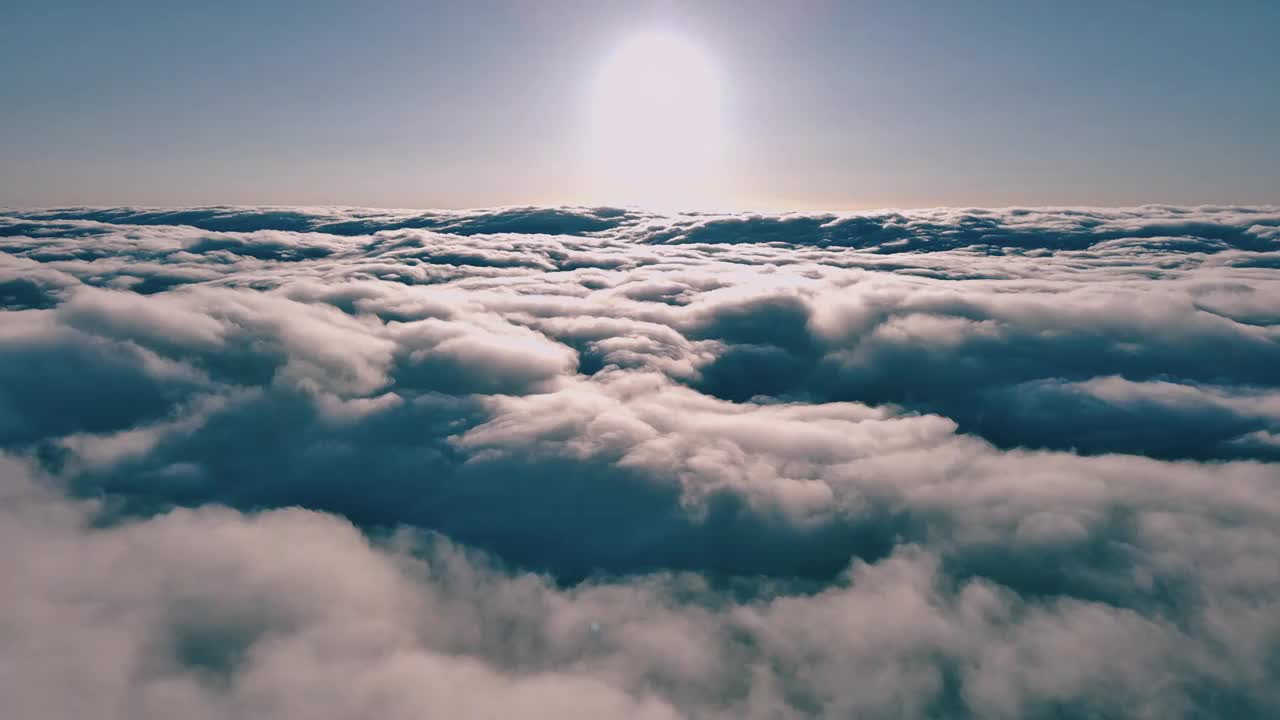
(595, 462)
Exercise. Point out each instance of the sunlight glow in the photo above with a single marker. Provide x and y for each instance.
(656, 134)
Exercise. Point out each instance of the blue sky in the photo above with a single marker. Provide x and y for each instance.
(464, 104)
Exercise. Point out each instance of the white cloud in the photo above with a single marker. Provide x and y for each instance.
(999, 463)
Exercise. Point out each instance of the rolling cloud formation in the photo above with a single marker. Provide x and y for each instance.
(596, 462)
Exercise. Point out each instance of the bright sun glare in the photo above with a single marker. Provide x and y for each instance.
(656, 134)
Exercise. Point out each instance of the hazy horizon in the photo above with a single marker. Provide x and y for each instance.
(831, 105)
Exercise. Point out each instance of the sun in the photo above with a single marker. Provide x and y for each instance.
(656, 134)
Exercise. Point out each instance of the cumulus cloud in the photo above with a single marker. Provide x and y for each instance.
(562, 462)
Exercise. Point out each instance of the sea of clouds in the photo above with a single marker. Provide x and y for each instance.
(577, 462)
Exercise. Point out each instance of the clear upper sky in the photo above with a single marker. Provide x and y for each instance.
(458, 104)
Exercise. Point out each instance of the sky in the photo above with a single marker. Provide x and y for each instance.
(817, 105)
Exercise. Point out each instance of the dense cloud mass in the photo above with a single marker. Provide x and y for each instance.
(597, 462)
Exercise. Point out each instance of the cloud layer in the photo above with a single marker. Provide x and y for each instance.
(594, 462)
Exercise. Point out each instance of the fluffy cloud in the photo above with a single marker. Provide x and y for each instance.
(562, 462)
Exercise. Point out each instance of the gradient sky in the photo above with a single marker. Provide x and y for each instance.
(464, 104)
